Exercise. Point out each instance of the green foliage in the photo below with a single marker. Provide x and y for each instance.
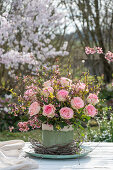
(105, 128)
(106, 94)
(8, 118)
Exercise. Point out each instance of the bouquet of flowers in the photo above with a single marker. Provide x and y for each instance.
(58, 101)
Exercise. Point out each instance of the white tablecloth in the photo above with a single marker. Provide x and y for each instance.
(101, 158)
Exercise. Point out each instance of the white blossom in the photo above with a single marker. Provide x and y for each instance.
(28, 28)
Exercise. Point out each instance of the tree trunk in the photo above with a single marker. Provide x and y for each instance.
(107, 71)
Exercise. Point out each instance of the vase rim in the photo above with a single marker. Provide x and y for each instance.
(50, 128)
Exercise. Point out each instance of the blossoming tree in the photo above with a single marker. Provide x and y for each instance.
(27, 29)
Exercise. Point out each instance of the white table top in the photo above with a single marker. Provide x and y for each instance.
(101, 158)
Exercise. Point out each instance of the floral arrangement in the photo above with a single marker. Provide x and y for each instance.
(58, 101)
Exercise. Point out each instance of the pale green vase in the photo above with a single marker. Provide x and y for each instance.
(54, 137)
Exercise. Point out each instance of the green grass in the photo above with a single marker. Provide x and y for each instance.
(6, 135)
(35, 134)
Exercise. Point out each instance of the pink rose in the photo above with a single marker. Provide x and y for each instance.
(80, 87)
(29, 94)
(66, 113)
(49, 110)
(90, 110)
(65, 81)
(47, 90)
(62, 95)
(32, 86)
(34, 108)
(92, 99)
(77, 103)
(47, 83)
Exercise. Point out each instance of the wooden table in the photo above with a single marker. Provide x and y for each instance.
(101, 158)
